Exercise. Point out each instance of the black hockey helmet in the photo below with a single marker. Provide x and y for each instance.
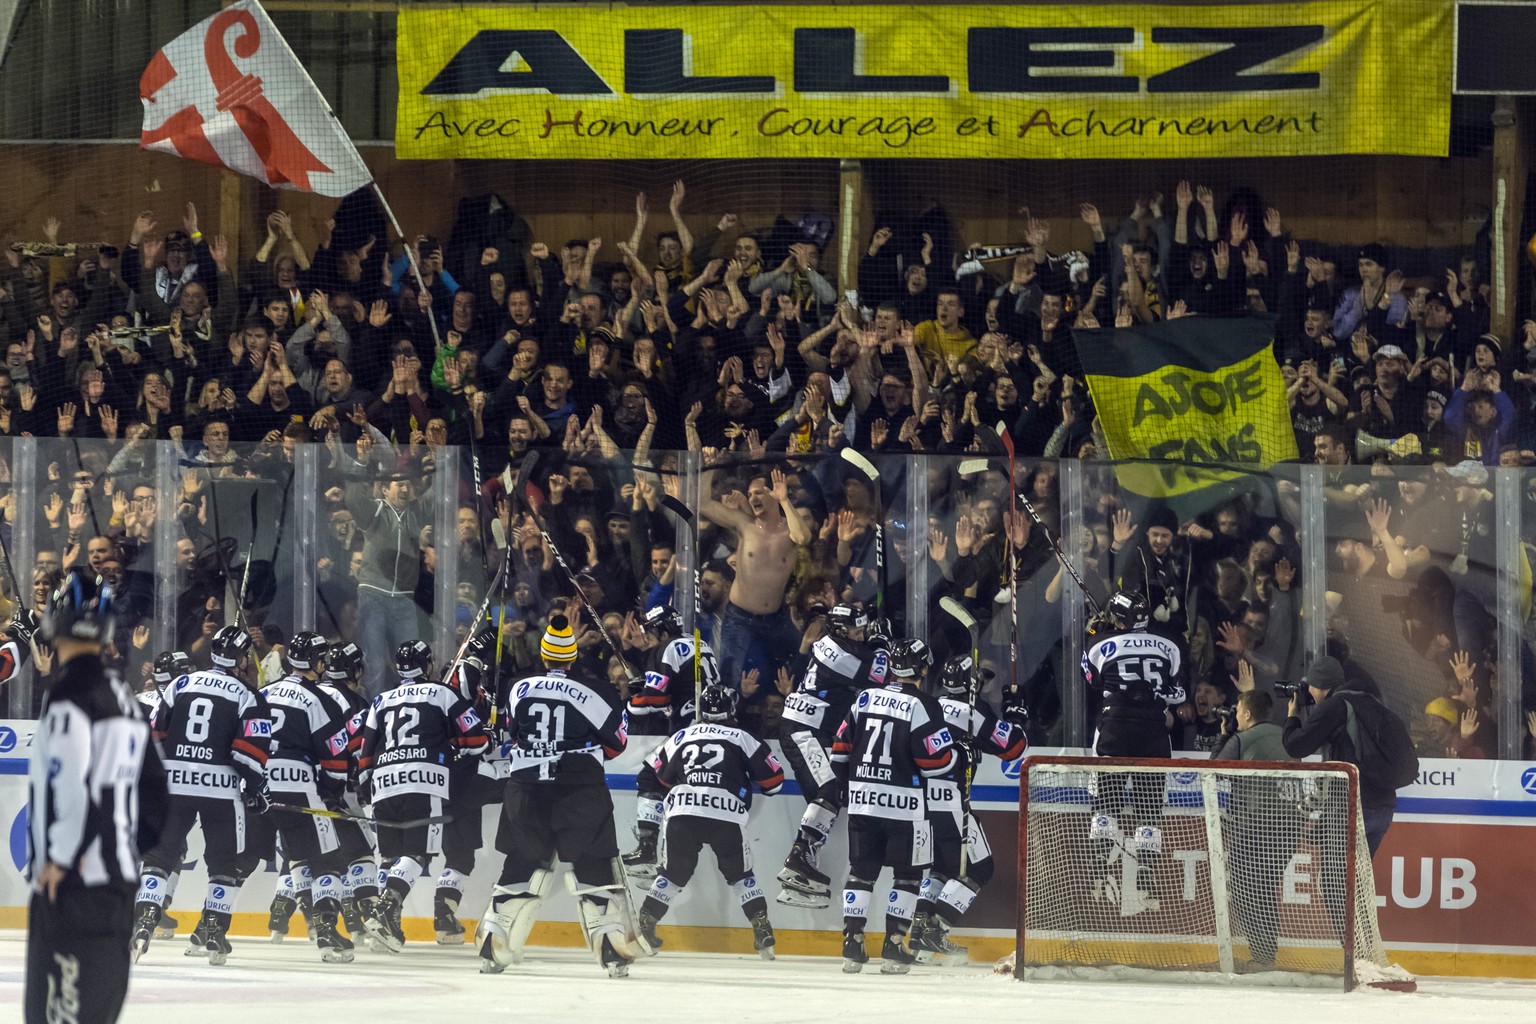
(413, 659)
(1127, 610)
(169, 665)
(81, 607)
(230, 647)
(662, 619)
(956, 676)
(717, 703)
(844, 618)
(307, 652)
(344, 663)
(911, 660)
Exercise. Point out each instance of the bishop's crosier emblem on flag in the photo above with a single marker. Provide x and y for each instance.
(230, 93)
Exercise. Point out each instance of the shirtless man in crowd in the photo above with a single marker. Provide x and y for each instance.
(756, 631)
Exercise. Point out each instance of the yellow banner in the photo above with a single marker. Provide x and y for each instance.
(1044, 81)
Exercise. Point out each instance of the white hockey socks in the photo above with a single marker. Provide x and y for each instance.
(303, 880)
(955, 899)
(361, 881)
(649, 811)
(403, 874)
(663, 891)
(222, 894)
(856, 906)
(285, 885)
(153, 889)
(328, 887)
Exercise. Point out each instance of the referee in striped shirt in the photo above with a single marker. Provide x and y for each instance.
(97, 797)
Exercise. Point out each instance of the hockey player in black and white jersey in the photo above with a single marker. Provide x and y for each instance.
(561, 729)
(962, 858)
(1140, 675)
(475, 783)
(216, 735)
(708, 770)
(851, 657)
(167, 668)
(413, 734)
(96, 796)
(893, 739)
(663, 705)
(304, 770)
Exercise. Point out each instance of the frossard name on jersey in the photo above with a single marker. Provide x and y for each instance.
(402, 754)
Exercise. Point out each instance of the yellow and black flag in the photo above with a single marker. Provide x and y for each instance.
(1201, 395)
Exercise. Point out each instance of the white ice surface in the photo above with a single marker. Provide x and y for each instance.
(287, 984)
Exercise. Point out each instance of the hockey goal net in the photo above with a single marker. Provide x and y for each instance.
(1206, 869)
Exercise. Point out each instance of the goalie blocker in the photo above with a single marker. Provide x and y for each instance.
(1264, 875)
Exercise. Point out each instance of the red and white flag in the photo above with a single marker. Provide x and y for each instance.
(230, 93)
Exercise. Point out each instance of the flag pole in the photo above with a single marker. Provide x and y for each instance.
(410, 256)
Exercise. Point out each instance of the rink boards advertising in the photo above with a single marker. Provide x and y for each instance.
(1452, 879)
(837, 82)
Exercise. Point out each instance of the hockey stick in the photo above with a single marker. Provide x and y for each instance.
(863, 465)
(363, 819)
(597, 620)
(685, 515)
(524, 474)
(957, 611)
(1013, 572)
(1061, 556)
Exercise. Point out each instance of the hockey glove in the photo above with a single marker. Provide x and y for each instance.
(1014, 710)
(258, 801)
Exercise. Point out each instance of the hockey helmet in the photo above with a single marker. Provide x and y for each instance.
(910, 659)
(663, 619)
(307, 651)
(1127, 610)
(845, 618)
(716, 703)
(81, 607)
(230, 647)
(413, 659)
(957, 675)
(344, 663)
(169, 665)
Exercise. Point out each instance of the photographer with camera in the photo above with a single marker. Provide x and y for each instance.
(1347, 723)
(1264, 826)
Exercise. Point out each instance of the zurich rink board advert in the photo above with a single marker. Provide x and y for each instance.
(1453, 885)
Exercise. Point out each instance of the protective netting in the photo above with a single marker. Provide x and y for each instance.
(1195, 867)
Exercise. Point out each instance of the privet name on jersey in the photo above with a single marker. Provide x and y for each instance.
(884, 801)
(186, 779)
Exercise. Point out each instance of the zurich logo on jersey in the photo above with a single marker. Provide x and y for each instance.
(151, 882)
(218, 892)
(7, 739)
(1528, 780)
(522, 690)
(863, 700)
(1109, 648)
(660, 883)
(849, 897)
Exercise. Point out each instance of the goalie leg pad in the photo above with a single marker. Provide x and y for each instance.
(510, 916)
(606, 910)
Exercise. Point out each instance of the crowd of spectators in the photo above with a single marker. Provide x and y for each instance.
(737, 344)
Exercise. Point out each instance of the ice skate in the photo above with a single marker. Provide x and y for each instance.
(615, 963)
(929, 940)
(647, 926)
(762, 936)
(144, 928)
(165, 927)
(384, 923)
(800, 883)
(280, 912)
(445, 921)
(641, 861)
(895, 958)
(217, 942)
(335, 948)
(197, 945)
(855, 956)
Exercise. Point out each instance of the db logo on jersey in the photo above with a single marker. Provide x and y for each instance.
(938, 741)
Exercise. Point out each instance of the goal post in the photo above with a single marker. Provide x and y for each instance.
(1196, 869)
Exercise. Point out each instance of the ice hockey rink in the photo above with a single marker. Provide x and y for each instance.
(283, 984)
